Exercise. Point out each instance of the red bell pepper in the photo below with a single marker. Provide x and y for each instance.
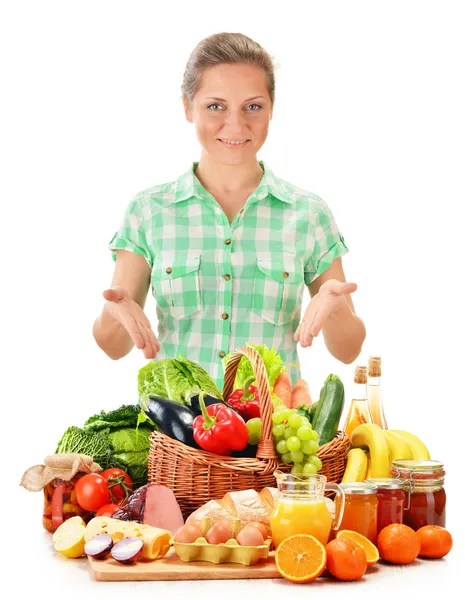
(219, 429)
(245, 400)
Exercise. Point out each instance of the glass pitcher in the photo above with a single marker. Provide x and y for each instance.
(301, 507)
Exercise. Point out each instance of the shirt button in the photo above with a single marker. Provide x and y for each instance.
(241, 211)
(221, 354)
(285, 274)
(169, 270)
(227, 242)
(224, 316)
(227, 276)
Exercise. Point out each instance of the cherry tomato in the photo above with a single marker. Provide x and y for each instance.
(107, 510)
(119, 484)
(92, 492)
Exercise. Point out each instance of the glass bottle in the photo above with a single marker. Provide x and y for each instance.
(375, 404)
(358, 410)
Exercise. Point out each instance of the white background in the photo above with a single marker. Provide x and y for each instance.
(369, 115)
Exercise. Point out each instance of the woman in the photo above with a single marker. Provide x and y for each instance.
(228, 247)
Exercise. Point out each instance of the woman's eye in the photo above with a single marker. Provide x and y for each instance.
(258, 106)
(214, 105)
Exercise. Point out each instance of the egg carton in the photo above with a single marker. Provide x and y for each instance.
(229, 552)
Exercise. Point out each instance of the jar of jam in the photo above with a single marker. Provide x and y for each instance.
(424, 486)
(391, 501)
(361, 509)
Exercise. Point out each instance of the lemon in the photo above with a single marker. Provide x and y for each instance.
(68, 539)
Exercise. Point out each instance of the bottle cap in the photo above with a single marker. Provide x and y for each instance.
(374, 366)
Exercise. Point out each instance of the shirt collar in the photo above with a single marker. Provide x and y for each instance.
(188, 186)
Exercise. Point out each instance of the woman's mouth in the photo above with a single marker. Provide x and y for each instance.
(234, 143)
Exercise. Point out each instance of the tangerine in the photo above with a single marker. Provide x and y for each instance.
(435, 541)
(371, 551)
(300, 558)
(398, 544)
(346, 559)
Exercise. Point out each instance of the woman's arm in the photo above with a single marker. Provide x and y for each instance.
(343, 332)
(132, 274)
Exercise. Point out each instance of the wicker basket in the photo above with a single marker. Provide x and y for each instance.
(197, 476)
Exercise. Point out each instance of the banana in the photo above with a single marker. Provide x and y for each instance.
(369, 475)
(418, 448)
(398, 447)
(356, 468)
(371, 436)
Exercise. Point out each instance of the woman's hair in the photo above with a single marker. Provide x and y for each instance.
(225, 48)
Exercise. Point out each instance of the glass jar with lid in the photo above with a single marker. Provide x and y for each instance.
(424, 486)
(391, 501)
(361, 509)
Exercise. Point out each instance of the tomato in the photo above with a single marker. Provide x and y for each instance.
(107, 510)
(92, 492)
(119, 484)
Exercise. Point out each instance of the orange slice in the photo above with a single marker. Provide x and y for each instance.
(370, 549)
(300, 558)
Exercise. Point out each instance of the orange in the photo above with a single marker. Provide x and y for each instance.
(435, 541)
(398, 544)
(300, 558)
(346, 559)
(371, 551)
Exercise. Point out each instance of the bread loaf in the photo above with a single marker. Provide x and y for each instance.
(212, 509)
(247, 506)
(269, 496)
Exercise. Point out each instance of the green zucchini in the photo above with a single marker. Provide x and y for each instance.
(329, 411)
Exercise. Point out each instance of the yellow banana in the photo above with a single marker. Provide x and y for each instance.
(369, 475)
(371, 436)
(356, 468)
(418, 448)
(398, 447)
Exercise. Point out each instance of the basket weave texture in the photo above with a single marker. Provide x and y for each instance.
(196, 476)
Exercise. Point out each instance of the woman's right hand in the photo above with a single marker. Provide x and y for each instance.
(131, 316)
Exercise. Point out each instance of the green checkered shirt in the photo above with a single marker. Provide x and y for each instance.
(219, 285)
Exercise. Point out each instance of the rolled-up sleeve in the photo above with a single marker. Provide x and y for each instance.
(132, 235)
(328, 244)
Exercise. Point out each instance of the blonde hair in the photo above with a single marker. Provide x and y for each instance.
(225, 48)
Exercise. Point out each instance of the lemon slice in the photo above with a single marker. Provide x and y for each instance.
(68, 539)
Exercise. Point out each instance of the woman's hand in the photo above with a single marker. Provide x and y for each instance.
(329, 299)
(131, 316)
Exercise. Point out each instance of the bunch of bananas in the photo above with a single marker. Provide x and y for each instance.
(373, 449)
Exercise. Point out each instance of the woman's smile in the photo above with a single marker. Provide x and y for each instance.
(234, 143)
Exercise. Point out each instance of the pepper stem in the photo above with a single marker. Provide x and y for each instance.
(247, 395)
(208, 420)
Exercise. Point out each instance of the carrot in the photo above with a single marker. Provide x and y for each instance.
(300, 394)
(283, 388)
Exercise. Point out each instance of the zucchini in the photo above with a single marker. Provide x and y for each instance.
(329, 411)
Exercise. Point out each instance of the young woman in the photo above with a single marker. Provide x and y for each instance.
(228, 247)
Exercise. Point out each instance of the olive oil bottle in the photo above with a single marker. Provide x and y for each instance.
(358, 409)
(375, 404)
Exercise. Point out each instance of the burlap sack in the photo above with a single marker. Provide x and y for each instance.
(61, 466)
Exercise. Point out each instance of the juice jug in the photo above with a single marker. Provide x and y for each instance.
(301, 507)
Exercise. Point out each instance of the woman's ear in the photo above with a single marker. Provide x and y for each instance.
(187, 109)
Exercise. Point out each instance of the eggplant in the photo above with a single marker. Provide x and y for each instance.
(248, 452)
(173, 419)
(208, 399)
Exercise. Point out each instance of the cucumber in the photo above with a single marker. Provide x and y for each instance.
(329, 411)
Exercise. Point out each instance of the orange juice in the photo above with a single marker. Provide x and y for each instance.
(308, 516)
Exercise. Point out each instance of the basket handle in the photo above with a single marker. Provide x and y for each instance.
(266, 448)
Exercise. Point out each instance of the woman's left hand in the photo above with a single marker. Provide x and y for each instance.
(329, 299)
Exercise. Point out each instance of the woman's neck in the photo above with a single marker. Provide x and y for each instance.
(224, 180)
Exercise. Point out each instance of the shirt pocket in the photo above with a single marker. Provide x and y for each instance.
(277, 288)
(176, 285)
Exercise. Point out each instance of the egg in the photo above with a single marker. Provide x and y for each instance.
(249, 536)
(220, 533)
(263, 530)
(187, 534)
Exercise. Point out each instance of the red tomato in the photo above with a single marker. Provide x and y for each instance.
(119, 484)
(107, 510)
(92, 492)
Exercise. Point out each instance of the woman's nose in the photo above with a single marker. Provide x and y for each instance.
(235, 119)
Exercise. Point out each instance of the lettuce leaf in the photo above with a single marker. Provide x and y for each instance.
(271, 359)
(175, 379)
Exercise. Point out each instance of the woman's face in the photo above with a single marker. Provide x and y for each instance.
(231, 112)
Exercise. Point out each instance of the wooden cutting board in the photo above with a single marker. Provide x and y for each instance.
(172, 568)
